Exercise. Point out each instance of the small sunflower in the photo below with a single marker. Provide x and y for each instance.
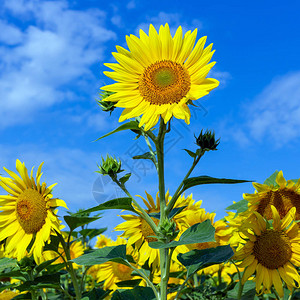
(272, 251)
(138, 231)
(27, 214)
(283, 195)
(159, 75)
(103, 241)
(112, 272)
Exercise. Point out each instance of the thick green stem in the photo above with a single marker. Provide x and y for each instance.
(178, 191)
(163, 253)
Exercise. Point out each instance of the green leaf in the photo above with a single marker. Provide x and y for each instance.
(129, 283)
(45, 264)
(45, 281)
(118, 203)
(23, 296)
(172, 213)
(53, 245)
(103, 255)
(239, 206)
(125, 178)
(193, 181)
(91, 233)
(95, 294)
(136, 293)
(272, 179)
(248, 291)
(76, 221)
(190, 153)
(6, 262)
(196, 260)
(200, 232)
(129, 125)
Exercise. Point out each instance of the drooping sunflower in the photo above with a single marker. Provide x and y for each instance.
(138, 231)
(159, 75)
(112, 272)
(272, 251)
(283, 195)
(27, 214)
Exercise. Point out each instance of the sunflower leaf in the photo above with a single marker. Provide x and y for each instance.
(190, 153)
(200, 232)
(76, 221)
(239, 206)
(91, 232)
(194, 181)
(95, 294)
(103, 255)
(196, 260)
(133, 125)
(118, 203)
(137, 293)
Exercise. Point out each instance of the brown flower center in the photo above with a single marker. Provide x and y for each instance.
(272, 249)
(123, 272)
(283, 199)
(164, 82)
(31, 211)
(147, 230)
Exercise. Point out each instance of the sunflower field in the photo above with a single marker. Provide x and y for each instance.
(169, 246)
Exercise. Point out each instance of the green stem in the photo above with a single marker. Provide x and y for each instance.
(34, 295)
(178, 191)
(70, 268)
(141, 211)
(163, 253)
(149, 283)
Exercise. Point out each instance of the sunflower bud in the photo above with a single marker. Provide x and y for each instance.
(206, 141)
(168, 230)
(108, 106)
(110, 166)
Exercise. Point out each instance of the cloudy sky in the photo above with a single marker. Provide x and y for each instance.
(51, 58)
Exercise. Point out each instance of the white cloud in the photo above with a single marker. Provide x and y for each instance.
(131, 4)
(275, 112)
(55, 50)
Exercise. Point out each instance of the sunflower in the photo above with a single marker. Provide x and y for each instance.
(103, 241)
(27, 214)
(272, 251)
(159, 75)
(138, 231)
(8, 294)
(113, 272)
(283, 195)
(76, 250)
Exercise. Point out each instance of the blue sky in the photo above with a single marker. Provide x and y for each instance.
(51, 58)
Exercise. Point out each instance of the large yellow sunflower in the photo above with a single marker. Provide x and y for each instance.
(159, 75)
(272, 251)
(113, 272)
(284, 195)
(138, 231)
(27, 214)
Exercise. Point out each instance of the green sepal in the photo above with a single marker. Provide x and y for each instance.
(271, 180)
(125, 178)
(196, 260)
(172, 213)
(200, 232)
(194, 181)
(239, 206)
(118, 203)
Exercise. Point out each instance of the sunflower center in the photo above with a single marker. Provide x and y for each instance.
(283, 199)
(31, 211)
(147, 230)
(164, 82)
(123, 272)
(272, 249)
